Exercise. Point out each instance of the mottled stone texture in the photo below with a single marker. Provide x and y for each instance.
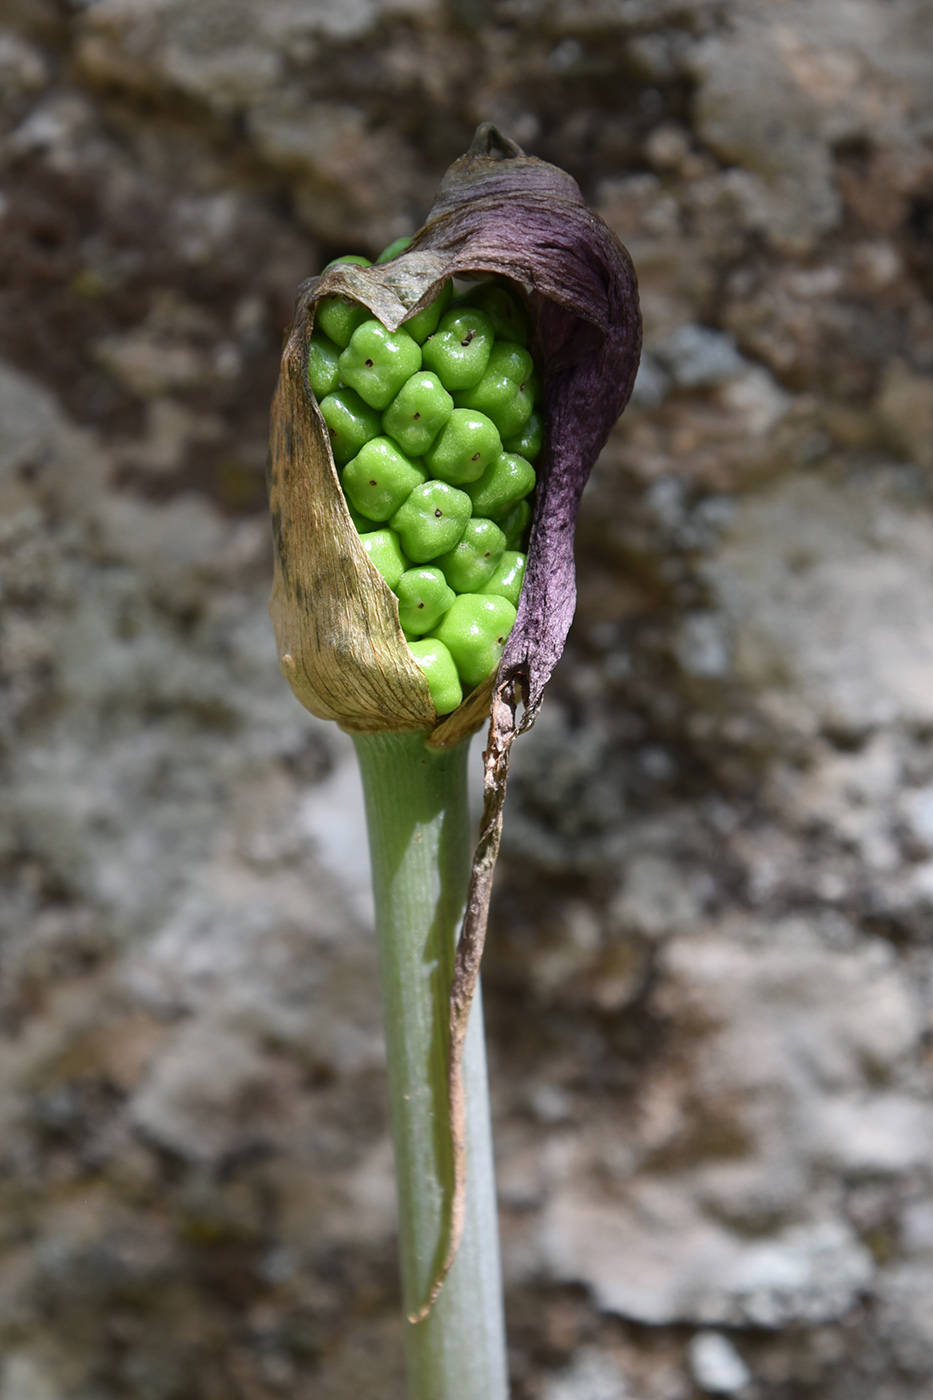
(710, 970)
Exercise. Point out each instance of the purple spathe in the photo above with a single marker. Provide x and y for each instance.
(501, 211)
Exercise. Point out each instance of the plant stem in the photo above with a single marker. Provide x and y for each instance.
(420, 844)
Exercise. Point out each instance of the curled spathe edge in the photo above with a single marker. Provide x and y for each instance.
(501, 212)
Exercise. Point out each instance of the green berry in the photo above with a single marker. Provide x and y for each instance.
(350, 422)
(464, 448)
(417, 413)
(475, 630)
(339, 317)
(509, 576)
(513, 416)
(440, 672)
(432, 520)
(530, 440)
(424, 595)
(510, 360)
(393, 250)
(379, 478)
(505, 481)
(356, 259)
(514, 524)
(425, 322)
(364, 526)
(504, 310)
(459, 349)
(473, 561)
(504, 393)
(322, 365)
(377, 362)
(385, 552)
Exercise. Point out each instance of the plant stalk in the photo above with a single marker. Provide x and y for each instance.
(420, 842)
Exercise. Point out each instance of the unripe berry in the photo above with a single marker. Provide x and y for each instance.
(417, 413)
(475, 631)
(424, 595)
(364, 526)
(459, 349)
(379, 478)
(506, 314)
(509, 576)
(377, 362)
(505, 481)
(514, 524)
(385, 552)
(425, 321)
(350, 423)
(529, 441)
(432, 520)
(463, 449)
(323, 355)
(393, 250)
(473, 560)
(504, 392)
(440, 671)
(338, 318)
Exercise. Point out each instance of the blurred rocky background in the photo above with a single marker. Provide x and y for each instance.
(710, 975)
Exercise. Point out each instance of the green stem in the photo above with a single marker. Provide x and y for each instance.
(420, 843)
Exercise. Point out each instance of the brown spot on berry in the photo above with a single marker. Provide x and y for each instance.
(369, 364)
(438, 513)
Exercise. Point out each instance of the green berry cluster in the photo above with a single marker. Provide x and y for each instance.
(434, 428)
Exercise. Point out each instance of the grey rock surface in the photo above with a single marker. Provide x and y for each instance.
(592, 1375)
(716, 1365)
(709, 980)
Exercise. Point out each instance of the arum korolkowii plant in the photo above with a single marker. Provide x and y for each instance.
(437, 415)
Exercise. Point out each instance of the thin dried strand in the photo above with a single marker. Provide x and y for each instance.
(501, 211)
(502, 731)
